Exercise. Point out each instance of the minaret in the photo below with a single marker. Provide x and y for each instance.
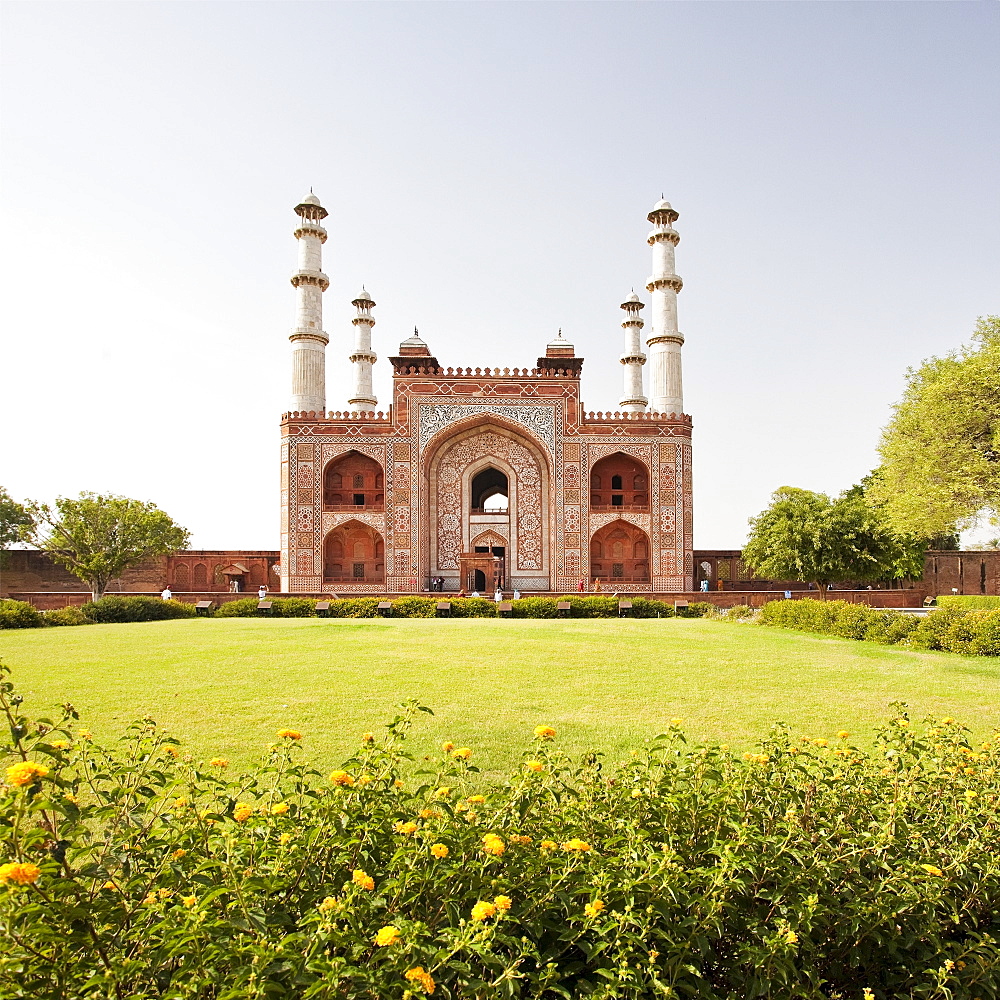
(308, 339)
(363, 356)
(632, 401)
(666, 392)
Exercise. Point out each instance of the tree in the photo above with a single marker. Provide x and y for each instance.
(809, 536)
(98, 537)
(14, 519)
(941, 450)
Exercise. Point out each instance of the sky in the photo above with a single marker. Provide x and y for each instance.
(488, 168)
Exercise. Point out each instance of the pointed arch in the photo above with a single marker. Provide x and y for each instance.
(619, 482)
(354, 552)
(619, 552)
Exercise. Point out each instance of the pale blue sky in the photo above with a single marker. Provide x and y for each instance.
(488, 168)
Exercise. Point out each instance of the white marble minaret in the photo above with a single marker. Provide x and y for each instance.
(632, 401)
(363, 357)
(308, 339)
(666, 390)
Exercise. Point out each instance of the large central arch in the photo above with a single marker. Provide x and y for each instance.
(459, 456)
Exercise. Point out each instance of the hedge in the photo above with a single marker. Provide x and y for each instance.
(968, 602)
(805, 869)
(952, 629)
(135, 608)
(140, 608)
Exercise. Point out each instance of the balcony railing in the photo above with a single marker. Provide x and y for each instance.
(601, 508)
(373, 506)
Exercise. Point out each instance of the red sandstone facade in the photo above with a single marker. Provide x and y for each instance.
(389, 503)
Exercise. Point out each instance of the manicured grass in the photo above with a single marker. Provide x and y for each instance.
(224, 686)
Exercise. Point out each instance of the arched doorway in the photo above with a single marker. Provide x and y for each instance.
(354, 553)
(490, 492)
(619, 482)
(619, 553)
(353, 482)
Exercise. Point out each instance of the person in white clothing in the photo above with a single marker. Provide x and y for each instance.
(498, 596)
(166, 594)
(261, 592)
(517, 595)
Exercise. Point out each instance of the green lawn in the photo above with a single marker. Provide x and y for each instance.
(224, 686)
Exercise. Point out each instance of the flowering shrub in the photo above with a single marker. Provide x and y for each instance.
(806, 869)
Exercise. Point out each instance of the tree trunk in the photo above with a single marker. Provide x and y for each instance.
(821, 587)
(97, 588)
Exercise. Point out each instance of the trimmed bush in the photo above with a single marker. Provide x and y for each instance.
(355, 607)
(534, 607)
(117, 608)
(416, 607)
(19, 614)
(245, 607)
(473, 607)
(71, 615)
(799, 871)
(281, 607)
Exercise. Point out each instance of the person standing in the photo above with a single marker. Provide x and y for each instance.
(580, 586)
(165, 593)
(261, 592)
(498, 595)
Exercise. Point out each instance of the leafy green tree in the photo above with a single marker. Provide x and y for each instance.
(14, 519)
(97, 537)
(941, 450)
(815, 538)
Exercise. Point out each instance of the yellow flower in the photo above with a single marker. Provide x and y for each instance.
(189, 901)
(341, 778)
(59, 745)
(110, 885)
(367, 737)
(821, 743)
(842, 734)
(329, 905)
(476, 800)
(544, 733)
(219, 762)
(72, 799)
(519, 838)
(407, 829)
(397, 784)
(970, 795)
(178, 854)
(462, 753)
(289, 734)
(387, 936)
(492, 844)
(285, 838)
(429, 813)
(447, 746)
(26, 773)
(791, 937)
(365, 779)
(439, 850)
(932, 869)
(502, 903)
(547, 845)
(180, 803)
(363, 879)
(279, 808)
(947, 720)
(676, 721)
(242, 812)
(483, 911)
(85, 734)
(172, 752)
(534, 765)
(442, 793)
(576, 845)
(420, 976)
(23, 873)
(592, 909)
